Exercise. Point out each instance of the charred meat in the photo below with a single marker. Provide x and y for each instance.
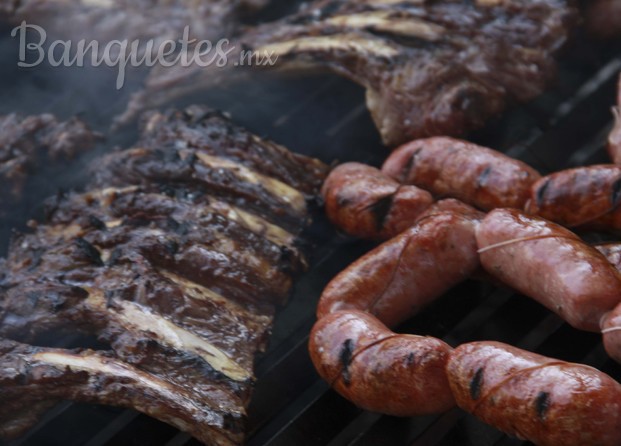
(27, 143)
(429, 67)
(175, 257)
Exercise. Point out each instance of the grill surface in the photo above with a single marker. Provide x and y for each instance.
(326, 117)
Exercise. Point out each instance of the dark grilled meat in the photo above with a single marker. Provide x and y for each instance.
(199, 128)
(27, 143)
(165, 266)
(200, 147)
(27, 373)
(429, 67)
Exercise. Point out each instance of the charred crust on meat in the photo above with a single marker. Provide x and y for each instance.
(90, 252)
(35, 259)
(191, 160)
(407, 167)
(96, 223)
(172, 247)
(541, 192)
(33, 297)
(169, 156)
(542, 404)
(172, 223)
(482, 179)
(115, 256)
(343, 200)
(288, 258)
(57, 302)
(411, 359)
(183, 228)
(110, 296)
(232, 422)
(345, 357)
(476, 383)
(23, 378)
(329, 9)
(380, 210)
(168, 190)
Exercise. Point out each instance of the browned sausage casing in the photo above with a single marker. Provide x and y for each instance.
(450, 205)
(614, 139)
(546, 401)
(364, 202)
(585, 196)
(561, 272)
(399, 277)
(378, 370)
(476, 175)
(612, 252)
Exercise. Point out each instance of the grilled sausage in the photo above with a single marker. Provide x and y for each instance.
(450, 205)
(614, 139)
(378, 370)
(364, 202)
(399, 277)
(550, 264)
(476, 175)
(582, 197)
(543, 400)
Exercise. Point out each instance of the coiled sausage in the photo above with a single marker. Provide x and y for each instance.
(401, 276)
(378, 370)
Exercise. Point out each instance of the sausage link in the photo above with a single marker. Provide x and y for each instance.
(543, 400)
(399, 277)
(614, 139)
(378, 370)
(476, 175)
(550, 264)
(364, 202)
(586, 197)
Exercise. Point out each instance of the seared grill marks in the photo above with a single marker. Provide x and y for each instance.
(176, 265)
(429, 67)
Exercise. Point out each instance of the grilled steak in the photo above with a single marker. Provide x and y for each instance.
(28, 143)
(429, 67)
(174, 262)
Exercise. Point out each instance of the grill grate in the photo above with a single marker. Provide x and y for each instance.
(325, 116)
